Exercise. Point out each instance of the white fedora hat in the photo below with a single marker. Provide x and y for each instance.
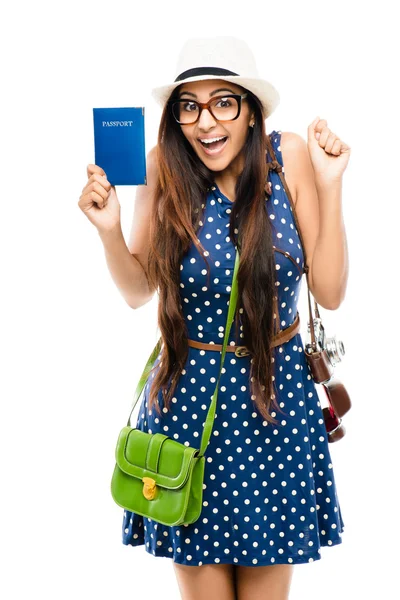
(220, 57)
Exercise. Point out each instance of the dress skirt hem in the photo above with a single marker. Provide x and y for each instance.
(164, 552)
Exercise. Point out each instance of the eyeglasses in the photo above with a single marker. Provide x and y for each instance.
(222, 108)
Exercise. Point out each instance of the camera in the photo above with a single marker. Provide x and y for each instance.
(334, 348)
(322, 358)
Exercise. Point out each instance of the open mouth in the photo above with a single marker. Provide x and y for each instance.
(214, 147)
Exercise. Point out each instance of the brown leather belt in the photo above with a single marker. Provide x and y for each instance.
(280, 338)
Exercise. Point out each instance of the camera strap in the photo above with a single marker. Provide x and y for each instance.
(275, 165)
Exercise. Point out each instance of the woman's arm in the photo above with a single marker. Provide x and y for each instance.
(126, 271)
(319, 212)
(127, 264)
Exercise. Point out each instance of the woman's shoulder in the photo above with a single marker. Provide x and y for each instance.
(289, 147)
(277, 137)
(291, 141)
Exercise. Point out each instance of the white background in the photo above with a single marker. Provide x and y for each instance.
(72, 349)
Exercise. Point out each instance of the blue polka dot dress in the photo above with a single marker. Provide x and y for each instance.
(269, 493)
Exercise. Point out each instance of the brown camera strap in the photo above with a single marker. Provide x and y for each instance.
(276, 166)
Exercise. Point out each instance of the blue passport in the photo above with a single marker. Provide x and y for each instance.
(119, 144)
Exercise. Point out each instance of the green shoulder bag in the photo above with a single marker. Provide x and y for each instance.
(155, 476)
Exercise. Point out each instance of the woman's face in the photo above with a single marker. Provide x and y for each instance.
(208, 127)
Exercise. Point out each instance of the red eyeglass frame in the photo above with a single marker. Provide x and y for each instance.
(203, 105)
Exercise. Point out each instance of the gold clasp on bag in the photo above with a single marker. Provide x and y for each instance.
(149, 488)
(242, 351)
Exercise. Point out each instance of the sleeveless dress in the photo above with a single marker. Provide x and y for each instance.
(269, 493)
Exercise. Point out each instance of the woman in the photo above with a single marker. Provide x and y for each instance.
(269, 494)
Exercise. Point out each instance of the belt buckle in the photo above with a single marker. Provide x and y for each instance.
(242, 351)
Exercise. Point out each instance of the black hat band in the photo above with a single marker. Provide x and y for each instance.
(204, 71)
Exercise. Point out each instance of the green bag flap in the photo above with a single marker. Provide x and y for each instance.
(170, 507)
(141, 454)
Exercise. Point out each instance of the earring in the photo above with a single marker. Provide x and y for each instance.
(252, 124)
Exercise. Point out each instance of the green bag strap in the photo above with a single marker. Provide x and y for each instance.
(211, 411)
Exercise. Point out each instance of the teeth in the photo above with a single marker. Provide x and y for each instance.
(212, 140)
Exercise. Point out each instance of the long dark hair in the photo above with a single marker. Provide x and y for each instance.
(173, 228)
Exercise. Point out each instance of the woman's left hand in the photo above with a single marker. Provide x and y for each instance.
(328, 153)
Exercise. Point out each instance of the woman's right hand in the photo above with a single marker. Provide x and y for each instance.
(99, 200)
